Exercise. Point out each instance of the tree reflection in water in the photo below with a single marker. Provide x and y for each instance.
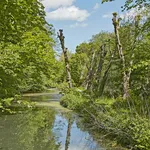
(44, 129)
(31, 130)
(68, 135)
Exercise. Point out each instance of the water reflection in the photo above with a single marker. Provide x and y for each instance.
(70, 135)
(31, 130)
(44, 128)
(67, 143)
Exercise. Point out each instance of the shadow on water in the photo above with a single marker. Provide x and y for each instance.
(48, 127)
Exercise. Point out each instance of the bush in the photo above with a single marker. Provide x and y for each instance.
(113, 117)
(129, 128)
(73, 99)
(63, 87)
(126, 121)
(139, 130)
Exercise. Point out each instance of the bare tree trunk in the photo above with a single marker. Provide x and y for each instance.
(61, 38)
(101, 62)
(82, 72)
(102, 81)
(126, 76)
(90, 72)
(67, 68)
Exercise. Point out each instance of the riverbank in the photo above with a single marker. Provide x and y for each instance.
(125, 122)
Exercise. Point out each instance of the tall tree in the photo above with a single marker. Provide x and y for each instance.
(19, 16)
(126, 76)
(62, 42)
(90, 73)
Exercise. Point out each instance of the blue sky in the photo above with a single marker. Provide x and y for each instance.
(80, 19)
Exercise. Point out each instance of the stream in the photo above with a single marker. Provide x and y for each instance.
(47, 127)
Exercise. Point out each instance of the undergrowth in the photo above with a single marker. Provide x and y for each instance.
(126, 121)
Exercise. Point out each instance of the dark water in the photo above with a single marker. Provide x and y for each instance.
(48, 127)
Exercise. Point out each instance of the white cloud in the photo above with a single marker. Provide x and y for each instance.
(78, 25)
(108, 15)
(68, 13)
(57, 3)
(129, 14)
(96, 6)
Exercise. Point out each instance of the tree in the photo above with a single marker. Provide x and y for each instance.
(27, 58)
(19, 16)
(28, 65)
(133, 3)
(62, 42)
(126, 75)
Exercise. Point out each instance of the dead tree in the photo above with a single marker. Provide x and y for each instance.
(101, 79)
(126, 76)
(62, 42)
(90, 73)
(102, 84)
(103, 53)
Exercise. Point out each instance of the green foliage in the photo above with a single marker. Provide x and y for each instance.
(129, 4)
(78, 68)
(106, 72)
(7, 104)
(73, 99)
(27, 58)
(70, 101)
(34, 63)
(63, 87)
(28, 63)
(4, 105)
(19, 16)
(117, 119)
(81, 61)
(139, 130)
(126, 121)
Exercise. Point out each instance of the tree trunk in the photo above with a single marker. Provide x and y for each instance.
(101, 62)
(102, 81)
(126, 76)
(67, 68)
(61, 38)
(90, 72)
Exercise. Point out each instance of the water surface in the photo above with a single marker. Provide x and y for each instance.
(48, 127)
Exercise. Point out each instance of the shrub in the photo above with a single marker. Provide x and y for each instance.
(73, 99)
(72, 102)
